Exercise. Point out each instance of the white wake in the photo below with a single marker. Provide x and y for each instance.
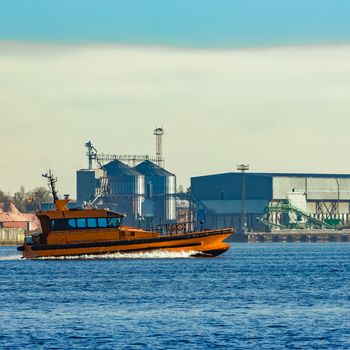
(159, 254)
(10, 257)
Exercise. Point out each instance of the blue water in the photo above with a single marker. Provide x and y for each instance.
(256, 296)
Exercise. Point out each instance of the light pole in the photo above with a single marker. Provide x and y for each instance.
(338, 211)
(243, 168)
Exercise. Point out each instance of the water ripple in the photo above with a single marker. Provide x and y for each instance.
(261, 296)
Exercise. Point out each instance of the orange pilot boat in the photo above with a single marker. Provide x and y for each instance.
(67, 232)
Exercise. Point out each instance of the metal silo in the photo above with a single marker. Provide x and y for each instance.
(126, 187)
(160, 189)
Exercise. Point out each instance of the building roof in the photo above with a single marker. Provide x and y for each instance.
(148, 168)
(228, 186)
(118, 168)
(9, 213)
(278, 175)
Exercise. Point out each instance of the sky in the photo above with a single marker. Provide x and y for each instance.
(195, 23)
(259, 82)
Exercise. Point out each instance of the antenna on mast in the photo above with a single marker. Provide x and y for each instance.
(51, 182)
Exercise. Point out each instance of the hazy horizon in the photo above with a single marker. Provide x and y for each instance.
(264, 83)
(281, 109)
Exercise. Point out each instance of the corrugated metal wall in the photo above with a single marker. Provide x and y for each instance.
(282, 186)
(315, 188)
(87, 182)
(323, 189)
(162, 185)
(229, 186)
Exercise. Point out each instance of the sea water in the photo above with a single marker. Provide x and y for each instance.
(255, 296)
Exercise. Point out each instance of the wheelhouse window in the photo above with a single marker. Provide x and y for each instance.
(91, 222)
(102, 222)
(81, 223)
(114, 222)
(72, 223)
(63, 224)
(75, 224)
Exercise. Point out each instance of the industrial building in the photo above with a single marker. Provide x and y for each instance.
(266, 201)
(140, 187)
(159, 203)
(144, 191)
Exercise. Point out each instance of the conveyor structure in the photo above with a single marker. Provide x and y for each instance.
(291, 217)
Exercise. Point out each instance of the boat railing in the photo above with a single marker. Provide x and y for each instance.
(177, 227)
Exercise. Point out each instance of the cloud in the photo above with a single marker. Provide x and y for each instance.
(276, 108)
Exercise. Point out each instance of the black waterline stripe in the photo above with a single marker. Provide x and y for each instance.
(126, 250)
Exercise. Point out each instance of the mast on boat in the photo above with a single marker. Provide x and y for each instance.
(52, 184)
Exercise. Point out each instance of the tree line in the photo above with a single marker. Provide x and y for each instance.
(29, 201)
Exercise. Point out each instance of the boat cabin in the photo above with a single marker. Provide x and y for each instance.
(79, 224)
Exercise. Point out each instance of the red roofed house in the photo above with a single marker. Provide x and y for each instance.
(11, 217)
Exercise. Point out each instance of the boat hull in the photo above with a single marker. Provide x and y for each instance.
(199, 244)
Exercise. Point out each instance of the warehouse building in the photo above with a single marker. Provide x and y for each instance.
(316, 198)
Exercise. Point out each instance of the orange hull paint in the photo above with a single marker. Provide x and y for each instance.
(208, 243)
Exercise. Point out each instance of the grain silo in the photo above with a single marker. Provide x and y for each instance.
(126, 187)
(161, 189)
